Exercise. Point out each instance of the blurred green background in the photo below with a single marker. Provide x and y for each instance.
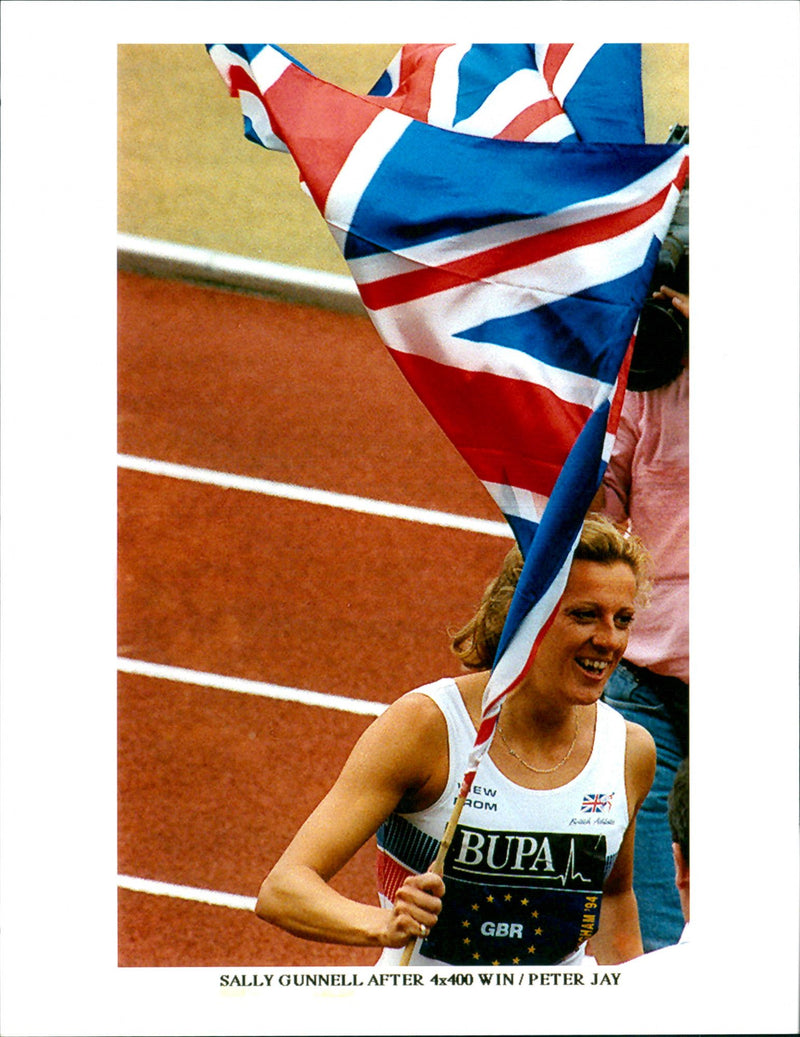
(187, 174)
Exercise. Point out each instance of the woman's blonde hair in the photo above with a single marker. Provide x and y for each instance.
(600, 541)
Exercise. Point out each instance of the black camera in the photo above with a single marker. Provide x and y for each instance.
(663, 335)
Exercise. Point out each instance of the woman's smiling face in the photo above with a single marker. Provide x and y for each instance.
(588, 635)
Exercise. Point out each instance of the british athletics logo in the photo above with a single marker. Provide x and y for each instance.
(597, 802)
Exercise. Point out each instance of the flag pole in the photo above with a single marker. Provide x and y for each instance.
(438, 865)
(490, 711)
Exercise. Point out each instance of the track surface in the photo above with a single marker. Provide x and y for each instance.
(213, 783)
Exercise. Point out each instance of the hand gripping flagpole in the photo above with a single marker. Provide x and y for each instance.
(437, 867)
(438, 864)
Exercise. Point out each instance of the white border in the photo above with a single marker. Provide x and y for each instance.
(58, 526)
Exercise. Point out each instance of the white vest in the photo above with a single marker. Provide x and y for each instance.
(525, 869)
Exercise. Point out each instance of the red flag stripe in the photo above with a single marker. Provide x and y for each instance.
(323, 129)
(401, 288)
(417, 69)
(619, 393)
(522, 125)
(515, 469)
(486, 729)
(556, 55)
(527, 452)
(241, 80)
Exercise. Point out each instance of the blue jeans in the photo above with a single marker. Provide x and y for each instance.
(659, 704)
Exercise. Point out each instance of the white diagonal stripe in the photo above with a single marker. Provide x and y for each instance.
(268, 66)
(501, 106)
(440, 251)
(555, 129)
(359, 168)
(512, 500)
(253, 108)
(396, 324)
(572, 67)
(444, 86)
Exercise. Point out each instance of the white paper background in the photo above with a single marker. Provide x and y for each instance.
(58, 528)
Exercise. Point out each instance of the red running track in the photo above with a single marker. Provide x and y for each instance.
(214, 783)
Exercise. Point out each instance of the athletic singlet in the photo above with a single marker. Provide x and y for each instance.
(525, 870)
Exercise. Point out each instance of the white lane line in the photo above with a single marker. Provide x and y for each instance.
(272, 691)
(367, 506)
(201, 896)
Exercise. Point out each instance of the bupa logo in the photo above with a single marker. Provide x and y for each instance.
(542, 859)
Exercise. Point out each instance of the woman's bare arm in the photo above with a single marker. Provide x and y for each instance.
(393, 761)
(619, 937)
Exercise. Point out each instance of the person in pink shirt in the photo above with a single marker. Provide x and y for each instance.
(646, 485)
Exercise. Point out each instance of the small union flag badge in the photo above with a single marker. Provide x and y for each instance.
(596, 802)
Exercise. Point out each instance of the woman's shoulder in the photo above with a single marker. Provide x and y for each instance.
(411, 739)
(422, 717)
(640, 759)
(420, 712)
(435, 691)
(639, 741)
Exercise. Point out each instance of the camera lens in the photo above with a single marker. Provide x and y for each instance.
(659, 347)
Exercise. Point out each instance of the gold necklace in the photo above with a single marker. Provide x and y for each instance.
(537, 770)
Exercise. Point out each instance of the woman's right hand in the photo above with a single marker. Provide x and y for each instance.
(416, 909)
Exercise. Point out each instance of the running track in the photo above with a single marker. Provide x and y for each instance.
(294, 544)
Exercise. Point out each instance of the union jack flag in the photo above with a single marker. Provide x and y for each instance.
(596, 802)
(520, 91)
(504, 265)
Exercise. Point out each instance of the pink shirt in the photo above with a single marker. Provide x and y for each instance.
(647, 480)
